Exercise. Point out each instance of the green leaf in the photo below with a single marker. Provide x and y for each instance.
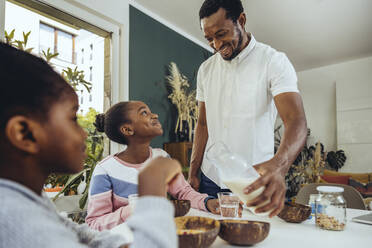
(72, 179)
(19, 45)
(54, 55)
(29, 50)
(11, 35)
(48, 55)
(83, 199)
(25, 37)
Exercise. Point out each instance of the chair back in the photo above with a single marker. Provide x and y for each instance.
(353, 198)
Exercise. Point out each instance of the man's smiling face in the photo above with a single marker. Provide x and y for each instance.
(223, 35)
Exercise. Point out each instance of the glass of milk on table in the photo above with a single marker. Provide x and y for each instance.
(235, 173)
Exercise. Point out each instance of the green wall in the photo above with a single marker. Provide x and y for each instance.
(152, 47)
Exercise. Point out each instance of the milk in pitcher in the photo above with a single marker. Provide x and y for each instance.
(237, 186)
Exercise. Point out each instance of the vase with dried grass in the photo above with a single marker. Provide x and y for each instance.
(185, 102)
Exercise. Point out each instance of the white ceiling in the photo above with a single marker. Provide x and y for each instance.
(312, 33)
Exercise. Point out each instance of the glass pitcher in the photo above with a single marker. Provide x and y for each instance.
(235, 173)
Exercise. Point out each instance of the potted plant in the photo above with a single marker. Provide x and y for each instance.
(309, 164)
(184, 101)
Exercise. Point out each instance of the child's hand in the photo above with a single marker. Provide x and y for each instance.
(153, 179)
(213, 206)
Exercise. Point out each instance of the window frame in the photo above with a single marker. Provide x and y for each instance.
(119, 46)
(55, 31)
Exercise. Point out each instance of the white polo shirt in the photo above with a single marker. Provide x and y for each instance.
(238, 96)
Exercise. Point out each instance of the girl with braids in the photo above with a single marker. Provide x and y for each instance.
(40, 135)
(115, 177)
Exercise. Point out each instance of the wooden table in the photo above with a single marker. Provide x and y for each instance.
(305, 234)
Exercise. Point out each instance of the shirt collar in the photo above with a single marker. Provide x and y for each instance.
(244, 53)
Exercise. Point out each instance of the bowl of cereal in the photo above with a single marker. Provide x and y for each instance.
(243, 232)
(294, 212)
(196, 231)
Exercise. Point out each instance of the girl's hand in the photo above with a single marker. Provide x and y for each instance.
(213, 206)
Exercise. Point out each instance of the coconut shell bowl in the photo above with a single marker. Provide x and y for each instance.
(181, 207)
(196, 232)
(243, 232)
(294, 212)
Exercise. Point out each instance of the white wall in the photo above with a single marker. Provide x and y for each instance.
(318, 89)
(2, 20)
(354, 124)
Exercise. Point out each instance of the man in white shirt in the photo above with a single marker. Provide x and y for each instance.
(240, 89)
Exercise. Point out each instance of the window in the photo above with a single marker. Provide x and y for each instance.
(91, 52)
(57, 41)
(82, 56)
(46, 38)
(65, 46)
(81, 97)
(91, 73)
(72, 38)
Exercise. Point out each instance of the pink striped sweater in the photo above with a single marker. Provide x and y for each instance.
(114, 180)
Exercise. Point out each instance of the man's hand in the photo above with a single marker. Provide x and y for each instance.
(273, 178)
(155, 177)
(194, 182)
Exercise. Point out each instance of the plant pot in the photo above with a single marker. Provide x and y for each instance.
(183, 134)
(68, 204)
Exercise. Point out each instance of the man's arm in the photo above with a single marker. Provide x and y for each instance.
(198, 148)
(273, 172)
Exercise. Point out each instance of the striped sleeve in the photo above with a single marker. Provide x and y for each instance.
(100, 214)
(182, 190)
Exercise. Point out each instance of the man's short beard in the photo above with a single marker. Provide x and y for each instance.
(237, 50)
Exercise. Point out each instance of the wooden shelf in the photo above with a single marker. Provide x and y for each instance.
(180, 151)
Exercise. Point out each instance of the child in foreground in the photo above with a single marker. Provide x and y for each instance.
(40, 135)
(115, 177)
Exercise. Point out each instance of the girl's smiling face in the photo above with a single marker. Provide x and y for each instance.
(144, 123)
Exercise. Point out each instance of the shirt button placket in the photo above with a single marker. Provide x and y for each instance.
(232, 77)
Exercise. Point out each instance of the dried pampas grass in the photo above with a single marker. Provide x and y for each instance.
(185, 102)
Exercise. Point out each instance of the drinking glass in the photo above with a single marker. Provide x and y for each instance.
(229, 204)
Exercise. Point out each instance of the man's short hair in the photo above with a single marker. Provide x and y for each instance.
(233, 8)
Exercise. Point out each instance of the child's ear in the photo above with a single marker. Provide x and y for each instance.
(127, 130)
(20, 131)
